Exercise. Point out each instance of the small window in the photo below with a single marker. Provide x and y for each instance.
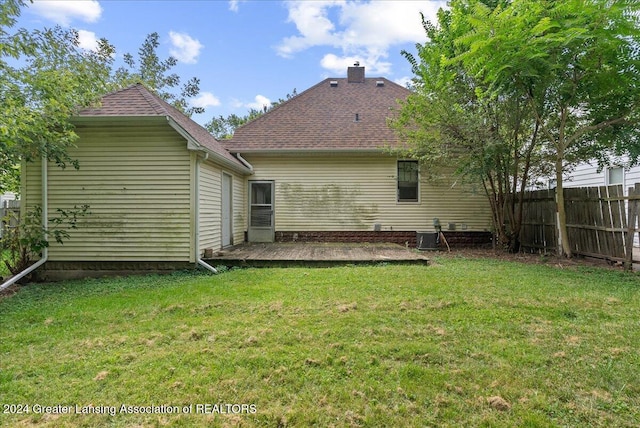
(408, 181)
(615, 176)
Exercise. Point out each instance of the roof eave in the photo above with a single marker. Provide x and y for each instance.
(192, 144)
(81, 120)
(311, 151)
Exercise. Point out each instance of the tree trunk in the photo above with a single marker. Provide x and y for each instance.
(564, 249)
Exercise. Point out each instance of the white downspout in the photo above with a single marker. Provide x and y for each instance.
(197, 225)
(45, 224)
(207, 266)
(245, 162)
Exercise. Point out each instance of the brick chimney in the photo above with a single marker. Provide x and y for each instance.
(355, 74)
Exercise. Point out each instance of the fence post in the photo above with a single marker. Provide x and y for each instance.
(9, 215)
(634, 194)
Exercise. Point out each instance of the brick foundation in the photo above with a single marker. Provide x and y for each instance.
(57, 271)
(349, 236)
(455, 239)
(466, 239)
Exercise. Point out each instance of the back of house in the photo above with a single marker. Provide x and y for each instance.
(157, 186)
(324, 170)
(162, 191)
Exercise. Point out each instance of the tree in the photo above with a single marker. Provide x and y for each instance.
(45, 78)
(450, 119)
(224, 127)
(54, 79)
(156, 74)
(577, 65)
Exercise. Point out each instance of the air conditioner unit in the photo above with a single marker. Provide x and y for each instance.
(427, 240)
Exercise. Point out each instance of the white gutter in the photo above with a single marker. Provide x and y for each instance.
(45, 224)
(197, 220)
(193, 144)
(245, 162)
(304, 151)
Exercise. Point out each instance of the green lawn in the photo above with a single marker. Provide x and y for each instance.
(352, 346)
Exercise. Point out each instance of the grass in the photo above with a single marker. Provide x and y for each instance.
(352, 346)
(4, 271)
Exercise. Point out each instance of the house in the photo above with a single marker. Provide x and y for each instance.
(588, 174)
(322, 170)
(162, 190)
(6, 197)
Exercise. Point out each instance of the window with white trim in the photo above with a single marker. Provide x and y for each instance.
(615, 176)
(408, 188)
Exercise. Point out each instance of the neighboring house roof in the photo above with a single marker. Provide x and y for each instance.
(138, 101)
(336, 114)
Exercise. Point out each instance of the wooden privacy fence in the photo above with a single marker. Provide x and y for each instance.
(601, 221)
(538, 231)
(9, 215)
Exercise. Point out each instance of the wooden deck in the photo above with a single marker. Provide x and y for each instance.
(315, 254)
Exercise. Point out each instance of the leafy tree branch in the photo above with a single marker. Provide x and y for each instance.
(25, 242)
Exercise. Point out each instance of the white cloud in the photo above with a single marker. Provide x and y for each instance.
(205, 99)
(363, 31)
(185, 48)
(63, 12)
(260, 101)
(373, 63)
(236, 103)
(234, 5)
(313, 23)
(381, 24)
(87, 40)
(405, 81)
(337, 64)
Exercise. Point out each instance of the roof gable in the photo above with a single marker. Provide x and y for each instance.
(135, 100)
(138, 101)
(335, 114)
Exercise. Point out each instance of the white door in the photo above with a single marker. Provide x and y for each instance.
(261, 211)
(227, 210)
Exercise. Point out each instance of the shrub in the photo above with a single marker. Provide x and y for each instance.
(26, 241)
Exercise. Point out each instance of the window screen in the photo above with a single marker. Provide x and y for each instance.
(615, 175)
(407, 181)
(261, 204)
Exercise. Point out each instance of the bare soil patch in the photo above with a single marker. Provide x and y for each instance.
(529, 258)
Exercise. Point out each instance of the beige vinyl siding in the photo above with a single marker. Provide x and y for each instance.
(210, 215)
(239, 208)
(31, 184)
(347, 192)
(136, 180)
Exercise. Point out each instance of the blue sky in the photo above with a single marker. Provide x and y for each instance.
(249, 53)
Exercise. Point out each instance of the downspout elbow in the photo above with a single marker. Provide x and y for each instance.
(45, 223)
(245, 162)
(8, 283)
(207, 266)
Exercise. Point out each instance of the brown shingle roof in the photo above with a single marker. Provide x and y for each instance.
(324, 118)
(138, 101)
